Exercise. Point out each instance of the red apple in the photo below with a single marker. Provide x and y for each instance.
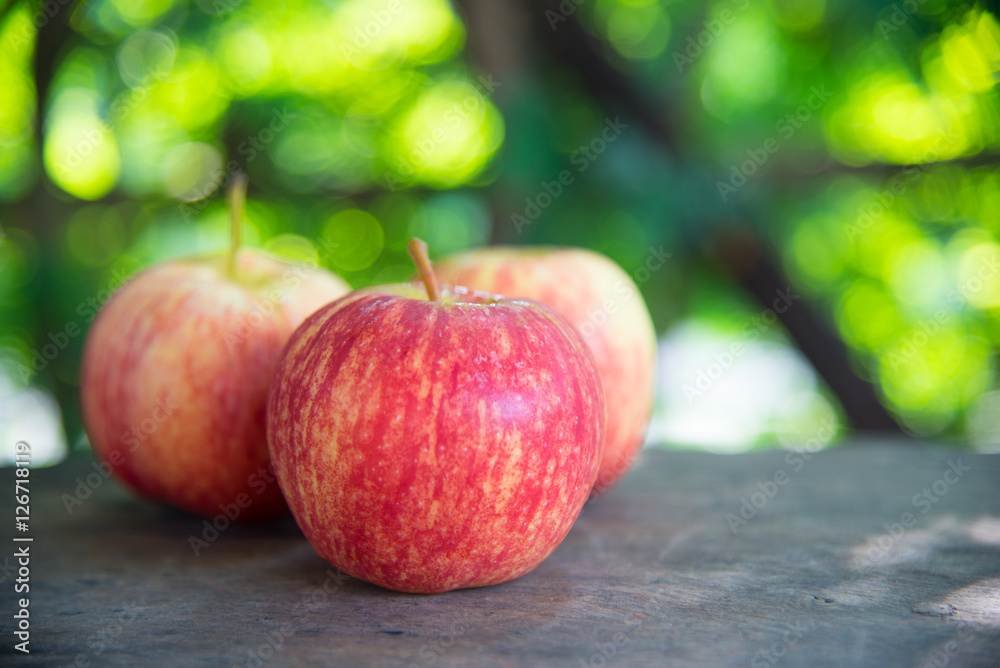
(604, 304)
(176, 369)
(430, 444)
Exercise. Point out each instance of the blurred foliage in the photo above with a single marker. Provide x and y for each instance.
(863, 134)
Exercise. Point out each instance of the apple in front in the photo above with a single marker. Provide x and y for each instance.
(604, 304)
(176, 369)
(427, 445)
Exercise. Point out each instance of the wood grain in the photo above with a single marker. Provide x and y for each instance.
(651, 574)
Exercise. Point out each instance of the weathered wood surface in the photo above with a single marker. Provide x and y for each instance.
(651, 574)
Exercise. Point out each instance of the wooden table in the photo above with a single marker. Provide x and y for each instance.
(824, 574)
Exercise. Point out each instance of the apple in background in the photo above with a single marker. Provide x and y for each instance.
(176, 369)
(435, 440)
(605, 305)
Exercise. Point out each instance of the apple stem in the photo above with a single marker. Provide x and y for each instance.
(237, 207)
(418, 251)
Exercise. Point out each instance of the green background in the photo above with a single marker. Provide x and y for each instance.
(856, 141)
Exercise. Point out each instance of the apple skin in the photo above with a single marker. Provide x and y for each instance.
(426, 446)
(175, 374)
(605, 305)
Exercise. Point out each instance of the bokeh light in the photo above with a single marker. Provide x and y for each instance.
(352, 240)
(446, 138)
(81, 149)
(17, 105)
